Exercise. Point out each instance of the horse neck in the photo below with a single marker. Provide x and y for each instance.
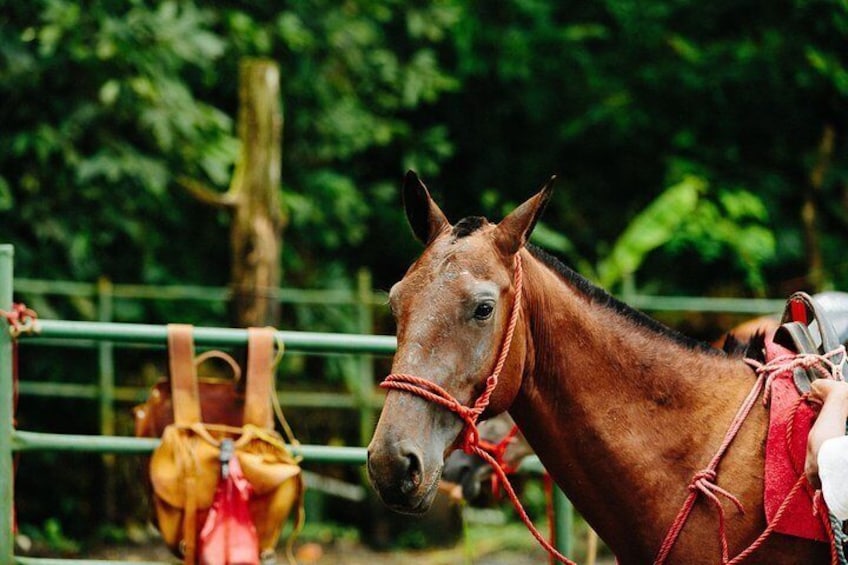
(621, 416)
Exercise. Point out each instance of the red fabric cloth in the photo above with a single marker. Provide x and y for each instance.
(228, 536)
(784, 461)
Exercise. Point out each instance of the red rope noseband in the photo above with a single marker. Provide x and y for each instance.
(434, 393)
(470, 414)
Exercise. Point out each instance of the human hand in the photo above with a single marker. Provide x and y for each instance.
(823, 389)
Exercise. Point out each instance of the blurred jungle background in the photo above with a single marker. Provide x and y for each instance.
(701, 150)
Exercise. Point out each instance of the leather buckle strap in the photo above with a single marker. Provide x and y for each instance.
(260, 378)
(183, 375)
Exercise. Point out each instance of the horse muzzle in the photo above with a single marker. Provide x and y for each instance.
(398, 473)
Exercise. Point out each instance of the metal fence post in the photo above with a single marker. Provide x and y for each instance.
(365, 325)
(106, 400)
(7, 489)
(563, 522)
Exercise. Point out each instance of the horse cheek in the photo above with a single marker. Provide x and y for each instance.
(510, 379)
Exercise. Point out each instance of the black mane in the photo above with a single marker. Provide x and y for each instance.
(597, 295)
(467, 226)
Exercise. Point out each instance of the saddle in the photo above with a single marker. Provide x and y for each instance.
(807, 327)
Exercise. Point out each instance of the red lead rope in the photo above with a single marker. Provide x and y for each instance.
(704, 481)
(498, 452)
(470, 414)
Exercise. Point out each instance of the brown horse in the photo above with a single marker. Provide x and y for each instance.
(622, 411)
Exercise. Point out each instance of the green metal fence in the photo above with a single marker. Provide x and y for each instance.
(363, 302)
(13, 441)
(101, 301)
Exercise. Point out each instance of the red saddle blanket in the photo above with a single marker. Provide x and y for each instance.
(786, 448)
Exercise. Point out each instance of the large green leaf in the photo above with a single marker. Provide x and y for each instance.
(650, 229)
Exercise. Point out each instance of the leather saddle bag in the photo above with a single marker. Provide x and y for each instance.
(205, 424)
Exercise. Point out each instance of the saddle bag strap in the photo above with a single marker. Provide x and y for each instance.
(183, 375)
(260, 375)
(189, 542)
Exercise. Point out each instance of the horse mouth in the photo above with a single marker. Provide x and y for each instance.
(415, 503)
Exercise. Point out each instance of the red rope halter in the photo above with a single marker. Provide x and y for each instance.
(498, 453)
(470, 414)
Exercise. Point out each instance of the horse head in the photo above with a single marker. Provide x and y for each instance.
(459, 324)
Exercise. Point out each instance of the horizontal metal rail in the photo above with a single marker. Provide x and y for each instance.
(704, 304)
(39, 441)
(306, 342)
(288, 399)
(338, 297)
(334, 297)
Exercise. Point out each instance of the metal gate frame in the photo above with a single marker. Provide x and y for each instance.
(14, 441)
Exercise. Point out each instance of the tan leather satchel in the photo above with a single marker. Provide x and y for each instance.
(185, 469)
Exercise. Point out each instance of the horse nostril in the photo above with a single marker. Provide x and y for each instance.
(412, 478)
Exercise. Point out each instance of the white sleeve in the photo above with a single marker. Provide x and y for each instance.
(833, 472)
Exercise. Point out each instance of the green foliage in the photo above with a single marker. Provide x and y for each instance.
(107, 105)
(625, 98)
(653, 227)
(684, 134)
(110, 104)
(734, 223)
(52, 536)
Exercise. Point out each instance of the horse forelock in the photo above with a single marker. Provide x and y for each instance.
(467, 226)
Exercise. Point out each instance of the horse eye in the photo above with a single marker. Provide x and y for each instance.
(484, 311)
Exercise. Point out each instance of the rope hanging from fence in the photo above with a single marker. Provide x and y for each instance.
(21, 320)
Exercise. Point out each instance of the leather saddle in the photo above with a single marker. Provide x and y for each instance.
(810, 326)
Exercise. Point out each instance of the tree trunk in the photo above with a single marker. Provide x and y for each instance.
(815, 265)
(258, 219)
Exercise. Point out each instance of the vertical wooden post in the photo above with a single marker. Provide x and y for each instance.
(7, 490)
(816, 275)
(253, 198)
(258, 218)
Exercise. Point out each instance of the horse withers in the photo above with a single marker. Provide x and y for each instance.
(622, 411)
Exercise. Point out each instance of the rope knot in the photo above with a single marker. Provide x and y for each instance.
(702, 480)
(829, 364)
(471, 438)
(20, 319)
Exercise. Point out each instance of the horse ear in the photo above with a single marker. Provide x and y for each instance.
(514, 230)
(424, 215)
